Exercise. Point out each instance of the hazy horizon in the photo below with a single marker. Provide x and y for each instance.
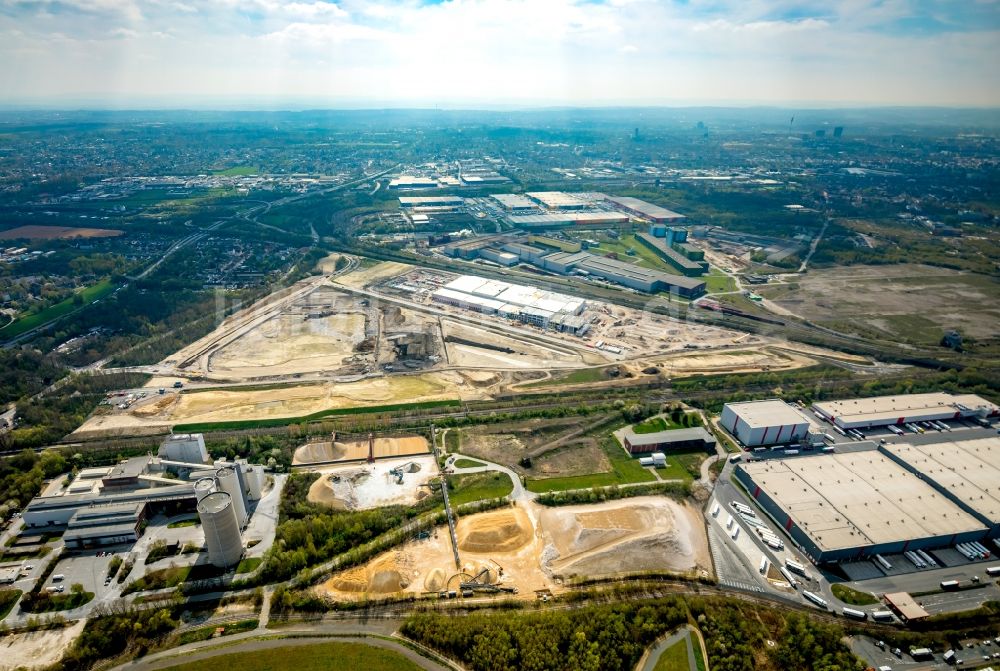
(498, 54)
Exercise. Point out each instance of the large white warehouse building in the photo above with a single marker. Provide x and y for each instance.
(770, 422)
(862, 413)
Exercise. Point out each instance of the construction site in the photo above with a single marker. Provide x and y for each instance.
(381, 335)
(530, 550)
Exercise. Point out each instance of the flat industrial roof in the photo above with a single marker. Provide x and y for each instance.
(892, 407)
(631, 270)
(771, 412)
(858, 498)
(568, 217)
(429, 200)
(557, 199)
(514, 200)
(671, 436)
(906, 605)
(644, 208)
(970, 469)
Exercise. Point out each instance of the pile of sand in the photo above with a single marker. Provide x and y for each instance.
(436, 580)
(313, 453)
(643, 534)
(500, 531)
(381, 577)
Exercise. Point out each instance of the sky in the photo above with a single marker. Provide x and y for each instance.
(498, 53)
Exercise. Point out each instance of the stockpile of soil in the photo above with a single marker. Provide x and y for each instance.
(500, 531)
(436, 580)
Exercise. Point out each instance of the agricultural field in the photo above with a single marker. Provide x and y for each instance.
(56, 233)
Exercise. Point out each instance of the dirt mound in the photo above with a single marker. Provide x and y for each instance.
(436, 580)
(386, 582)
(501, 531)
(353, 580)
(412, 467)
(314, 453)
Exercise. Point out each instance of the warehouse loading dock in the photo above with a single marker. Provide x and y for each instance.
(876, 501)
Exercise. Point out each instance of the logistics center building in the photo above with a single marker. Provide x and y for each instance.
(852, 505)
(770, 422)
(861, 413)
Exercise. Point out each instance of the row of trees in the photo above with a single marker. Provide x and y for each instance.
(613, 636)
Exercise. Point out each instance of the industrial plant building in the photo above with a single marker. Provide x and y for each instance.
(557, 200)
(527, 304)
(413, 182)
(641, 208)
(106, 506)
(431, 201)
(861, 413)
(852, 505)
(770, 422)
(680, 255)
(515, 202)
(563, 219)
(696, 438)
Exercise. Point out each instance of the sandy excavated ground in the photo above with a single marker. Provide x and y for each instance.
(534, 548)
(289, 344)
(526, 354)
(641, 534)
(369, 486)
(733, 361)
(358, 279)
(39, 648)
(358, 449)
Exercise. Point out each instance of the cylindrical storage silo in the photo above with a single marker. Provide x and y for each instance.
(203, 488)
(254, 477)
(229, 482)
(222, 531)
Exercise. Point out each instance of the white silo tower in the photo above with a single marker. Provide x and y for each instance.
(203, 487)
(229, 482)
(222, 531)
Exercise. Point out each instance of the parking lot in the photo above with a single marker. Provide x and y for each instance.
(89, 570)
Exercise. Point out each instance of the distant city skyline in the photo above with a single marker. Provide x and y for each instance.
(493, 53)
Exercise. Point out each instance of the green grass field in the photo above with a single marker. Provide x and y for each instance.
(467, 463)
(248, 564)
(716, 281)
(183, 523)
(624, 469)
(852, 596)
(582, 376)
(674, 658)
(60, 309)
(478, 487)
(310, 657)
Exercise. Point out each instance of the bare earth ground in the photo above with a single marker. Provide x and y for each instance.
(358, 449)
(363, 486)
(54, 232)
(233, 404)
(526, 354)
(39, 648)
(358, 279)
(912, 301)
(534, 548)
(289, 344)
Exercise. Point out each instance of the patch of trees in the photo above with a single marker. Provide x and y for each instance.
(133, 631)
(613, 637)
(21, 477)
(274, 451)
(677, 490)
(48, 418)
(26, 371)
(309, 534)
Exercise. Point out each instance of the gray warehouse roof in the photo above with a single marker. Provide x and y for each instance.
(672, 436)
(644, 208)
(855, 499)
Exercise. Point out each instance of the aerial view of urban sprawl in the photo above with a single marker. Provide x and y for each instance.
(316, 357)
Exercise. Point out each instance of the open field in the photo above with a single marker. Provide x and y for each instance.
(38, 649)
(236, 405)
(354, 450)
(362, 277)
(903, 303)
(495, 350)
(56, 233)
(305, 655)
(363, 486)
(89, 295)
(289, 344)
(531, 548)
